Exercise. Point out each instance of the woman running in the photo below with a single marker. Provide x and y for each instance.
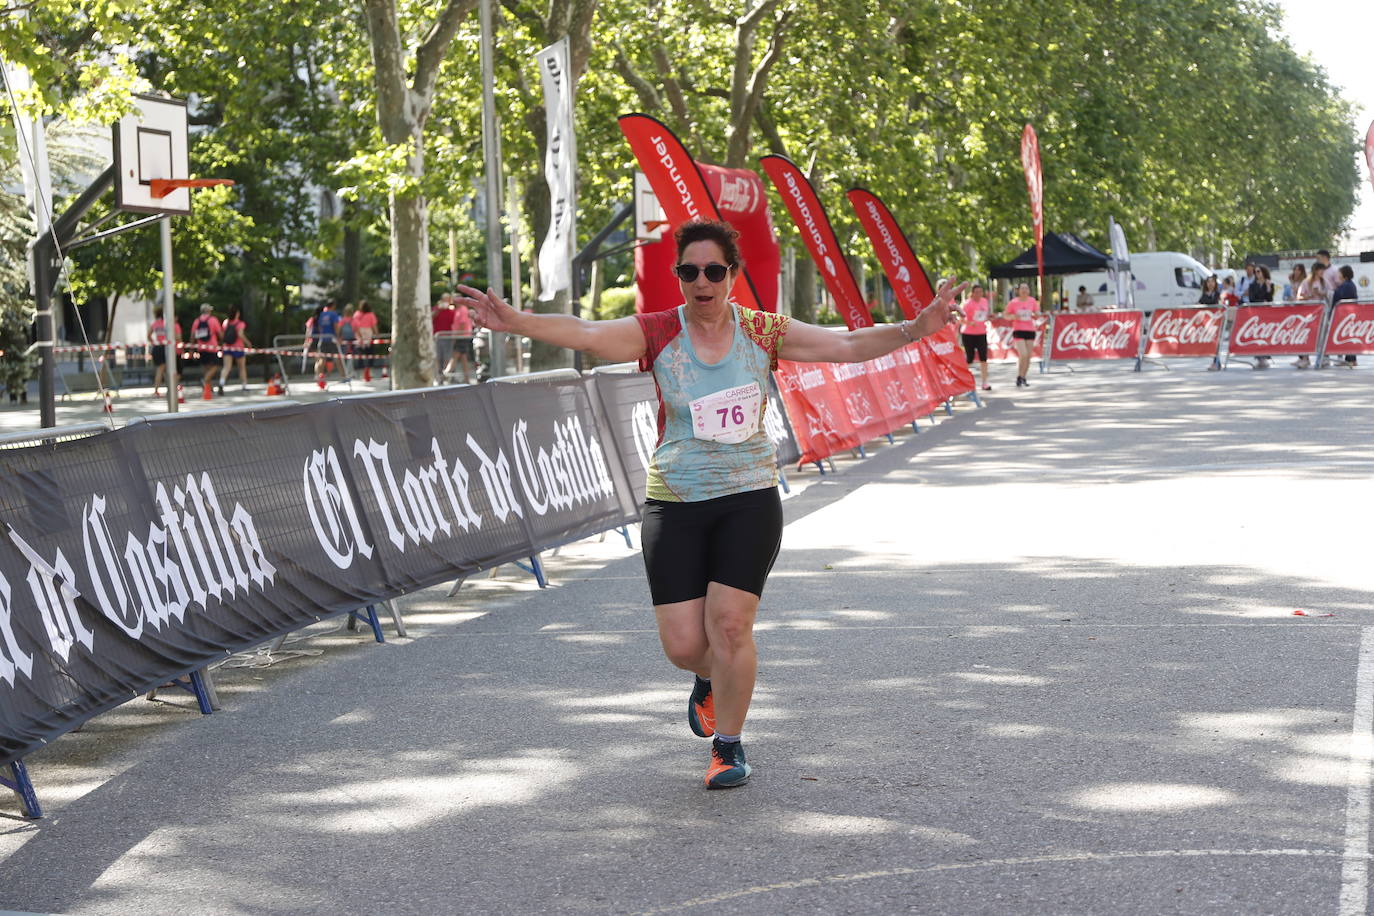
(1023, 311)
(712, 519)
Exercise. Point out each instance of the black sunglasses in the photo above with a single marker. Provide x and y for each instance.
(687, 273)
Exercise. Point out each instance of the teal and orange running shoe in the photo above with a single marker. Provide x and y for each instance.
(701, 710)
(727, 768)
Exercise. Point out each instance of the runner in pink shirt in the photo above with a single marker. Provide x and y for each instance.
(1024, 313)
(974, 331)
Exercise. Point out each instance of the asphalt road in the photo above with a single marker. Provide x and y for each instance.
(1039, 659)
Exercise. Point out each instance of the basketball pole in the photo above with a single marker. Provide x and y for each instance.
(169, 313)
(491, 154)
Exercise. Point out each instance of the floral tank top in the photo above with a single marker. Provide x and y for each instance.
(711, 438)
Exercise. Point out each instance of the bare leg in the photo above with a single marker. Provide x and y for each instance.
(682, 631)
(729, 621)
(983, 371)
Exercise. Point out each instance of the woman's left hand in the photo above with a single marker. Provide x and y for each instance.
(942, 310)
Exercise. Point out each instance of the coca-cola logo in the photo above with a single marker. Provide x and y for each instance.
(1197, 327)
(1115, 334)
(1353, 329)
(1290, 330)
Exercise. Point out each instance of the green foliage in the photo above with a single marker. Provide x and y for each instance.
(616, 302)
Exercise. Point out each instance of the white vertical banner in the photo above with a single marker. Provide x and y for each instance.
(555, 267)
(32, 149)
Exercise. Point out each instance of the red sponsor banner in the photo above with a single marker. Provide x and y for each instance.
(1096, 335)
(999, 341)
(1185, 332)
(1035, 190)
(863, 405)
(814, 225)
(909, 280)
(948, 368)
(894, 391)
(912, 367)
(817, 411)
(1351, 331)
(678, 183)
(1275, 330)
(1369, 151)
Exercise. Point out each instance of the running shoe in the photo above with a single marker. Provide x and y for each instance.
(727, 768)
(701, 710)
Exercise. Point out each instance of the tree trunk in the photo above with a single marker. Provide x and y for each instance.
(804, 300)
(412, 344)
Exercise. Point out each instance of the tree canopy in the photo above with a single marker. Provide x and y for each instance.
(1195, 124)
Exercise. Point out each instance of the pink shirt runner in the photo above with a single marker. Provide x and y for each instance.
(1023, 313)
(462, 320)
(976, 313)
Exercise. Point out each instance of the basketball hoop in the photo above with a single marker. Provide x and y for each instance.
(651, 224)
(161, 187)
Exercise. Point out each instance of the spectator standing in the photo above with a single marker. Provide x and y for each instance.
(157, 342)
(973, 333)
(1313, 289)
(1084, 302)
(1346, 291)
(1296, 278)
(365, 327)
(325, 337)
(235, 335)
(462, 344)
(1261, 288)
(1331, 277)
(1024, 312)
(1230, 297)
(1246, 281)
(206, 334)
(1211, 293)
(441, 320)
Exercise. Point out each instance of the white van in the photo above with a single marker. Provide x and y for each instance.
(1161, 278)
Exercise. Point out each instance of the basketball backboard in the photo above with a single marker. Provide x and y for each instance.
(650, 220)
(151, 143)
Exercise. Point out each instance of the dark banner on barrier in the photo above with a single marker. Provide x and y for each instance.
(141, 554)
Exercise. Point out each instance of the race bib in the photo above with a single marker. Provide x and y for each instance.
(730, 416)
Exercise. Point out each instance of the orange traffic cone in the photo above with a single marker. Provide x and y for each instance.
(207, 394)
(319, 380)
(181, 395)
(109, 405)
(274, 386)
(329, 365)
(367, 374)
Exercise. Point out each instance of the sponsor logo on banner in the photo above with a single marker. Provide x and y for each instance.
(1271, 330)
(1185, 332)
(1097, 336)
(806, 211)
(1352, 329)
(194, 554)
(904, 271)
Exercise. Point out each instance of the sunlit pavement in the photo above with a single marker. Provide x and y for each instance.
(1041, 658)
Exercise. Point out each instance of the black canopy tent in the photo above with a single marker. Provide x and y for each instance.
(1065, 253)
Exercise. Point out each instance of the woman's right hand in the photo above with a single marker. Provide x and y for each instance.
(488, 309)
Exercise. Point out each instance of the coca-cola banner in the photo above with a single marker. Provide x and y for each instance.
(1185, 332)
(1352, 330)
(1095, 335)
(1275, 330)
(1000, 340)
(146, 552)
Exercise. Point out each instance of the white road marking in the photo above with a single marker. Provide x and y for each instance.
(1355, 867)
(987, 863)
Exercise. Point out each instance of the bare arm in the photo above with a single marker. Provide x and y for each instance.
(806, 343)
(619, 340)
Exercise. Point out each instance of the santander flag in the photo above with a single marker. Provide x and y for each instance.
(811, 220)
(908, 278)
(1369, 151)
(1035, 188)
(678, 184)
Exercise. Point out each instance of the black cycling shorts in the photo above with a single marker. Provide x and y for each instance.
(1023, 335)
(732, 540)
(975, 345)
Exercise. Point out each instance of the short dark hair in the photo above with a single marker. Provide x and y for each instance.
(1082, 289)
(710, 230)
(1347, 272)
(1318, 265)
(1322, 252)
